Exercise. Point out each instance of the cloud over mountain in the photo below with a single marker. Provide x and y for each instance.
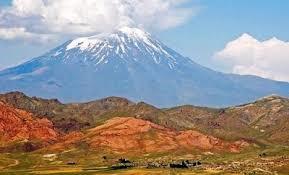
(249, 56)
(28, 19)
(22, 33)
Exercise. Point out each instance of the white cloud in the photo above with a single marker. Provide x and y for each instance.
(21, 33)
(248, 56)
(83, 17)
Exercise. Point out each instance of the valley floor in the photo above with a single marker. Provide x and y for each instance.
(75, 171)
(250, 162)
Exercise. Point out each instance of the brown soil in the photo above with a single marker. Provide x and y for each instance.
(18, 125)
(131, 135)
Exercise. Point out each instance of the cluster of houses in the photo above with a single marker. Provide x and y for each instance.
(125, 163)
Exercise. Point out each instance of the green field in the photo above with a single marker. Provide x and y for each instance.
(274, 160)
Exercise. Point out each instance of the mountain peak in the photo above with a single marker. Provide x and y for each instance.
(132, 45)
(272, 97)
(119, 35)
(134, 32)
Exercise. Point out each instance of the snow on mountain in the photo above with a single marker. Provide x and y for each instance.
(126, 44)
(131, 63)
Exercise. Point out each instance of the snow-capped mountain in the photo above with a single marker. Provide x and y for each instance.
(127, 44)
(131, 63)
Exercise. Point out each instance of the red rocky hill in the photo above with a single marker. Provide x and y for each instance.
(20, 126)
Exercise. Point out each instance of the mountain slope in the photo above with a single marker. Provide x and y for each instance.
(65, 117)
(22, 131)
(20, 127)
(136, 136)
(264, 121)
(79, 116)
(131, 63)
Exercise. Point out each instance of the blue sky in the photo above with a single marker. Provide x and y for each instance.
(221, 21)
(216, 23)
(5, 2)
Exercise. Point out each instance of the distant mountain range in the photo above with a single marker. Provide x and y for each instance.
(112, 124)
(46, 136)
(263, 121)
(121, 126)
(131, 63)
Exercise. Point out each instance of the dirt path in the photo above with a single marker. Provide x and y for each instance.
(16, 162)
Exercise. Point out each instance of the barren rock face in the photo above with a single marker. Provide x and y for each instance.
(119, 135)
(124, 135)
(19, 125)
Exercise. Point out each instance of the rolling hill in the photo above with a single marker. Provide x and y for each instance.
(264, 121)
(38, 135)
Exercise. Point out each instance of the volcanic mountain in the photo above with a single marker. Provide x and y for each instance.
(131, 63)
